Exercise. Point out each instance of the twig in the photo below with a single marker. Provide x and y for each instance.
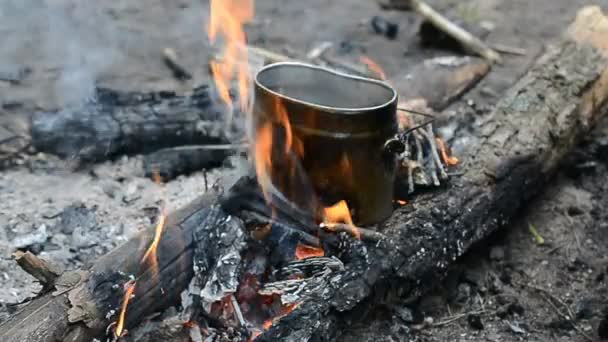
(319, 50)
(551, 299)
(365, 234)
(457, 317)
(237, 311)
(40, 269)
(357, 69)
(171, 61)
(465, 38)
(269, 56)
(438, 164)
(510, 50)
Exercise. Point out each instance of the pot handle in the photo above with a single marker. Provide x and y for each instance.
(396, 145)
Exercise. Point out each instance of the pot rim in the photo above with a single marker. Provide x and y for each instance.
(338, 110)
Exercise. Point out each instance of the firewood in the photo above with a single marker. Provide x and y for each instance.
(172, 162)
(79, 308)
(127, 123)
(40, 269)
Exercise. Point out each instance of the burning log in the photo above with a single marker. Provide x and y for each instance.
(81, 306)
(115, 122)
(518, 148)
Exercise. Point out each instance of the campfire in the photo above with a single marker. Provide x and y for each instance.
(351, 198)
(326, 148)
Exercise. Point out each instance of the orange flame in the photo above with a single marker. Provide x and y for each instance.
(447, 159)
(305, 251)
(150, 255)
(264, 146)
(339, 213)
(129, 288)
(227, 19)
(373, 67)
(401, 202)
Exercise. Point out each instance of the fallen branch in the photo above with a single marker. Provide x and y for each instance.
(466, 39)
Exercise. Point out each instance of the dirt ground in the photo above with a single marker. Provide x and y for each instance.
(73, 216)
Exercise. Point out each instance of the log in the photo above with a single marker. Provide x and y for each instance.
(535, 125)
(76, 310)
(172, 162)
(441, 81)
(127, 123)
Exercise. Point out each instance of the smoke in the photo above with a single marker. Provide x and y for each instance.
(75, 38)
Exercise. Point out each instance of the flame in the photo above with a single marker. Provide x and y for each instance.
(264, 147)
(338, 213)
(150, 255)
(227, 18)
(447, 159)
(401, 202)
(373, 67)
(305, 251)
(129, 288)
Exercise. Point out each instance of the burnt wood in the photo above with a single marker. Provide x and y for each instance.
(77, 309)
(116, 123)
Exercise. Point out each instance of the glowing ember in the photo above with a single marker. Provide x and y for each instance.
(285, 310)
(447, 159)
(373, 67)
(227, 18)
(254, 334)
(401, 202)
(305, 251)
(129, 288)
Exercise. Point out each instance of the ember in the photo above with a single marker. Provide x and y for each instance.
(285, 310)
(304, 251)
(447, 159)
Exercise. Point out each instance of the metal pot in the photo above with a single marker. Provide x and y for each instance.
(342, 136)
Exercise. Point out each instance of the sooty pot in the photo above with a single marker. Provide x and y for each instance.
(332, 135)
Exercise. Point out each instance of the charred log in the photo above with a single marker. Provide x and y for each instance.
(85, 302)
(172, 162)
(116, 123)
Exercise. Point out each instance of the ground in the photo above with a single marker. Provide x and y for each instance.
(70, 46)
